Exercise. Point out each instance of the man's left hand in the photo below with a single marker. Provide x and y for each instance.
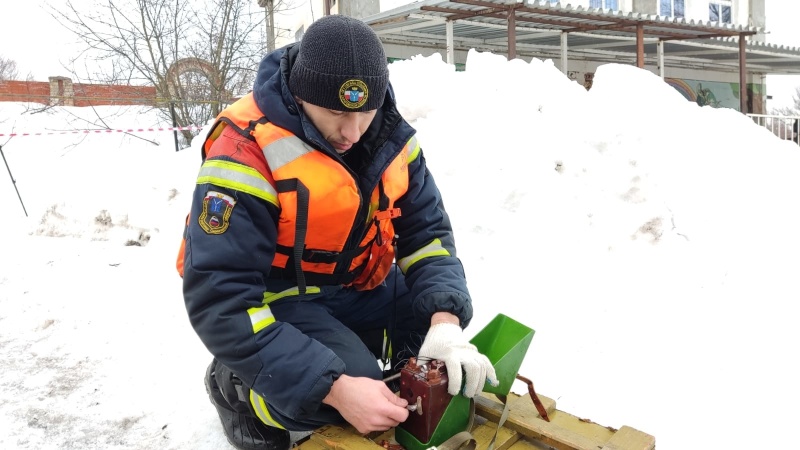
(446, 342)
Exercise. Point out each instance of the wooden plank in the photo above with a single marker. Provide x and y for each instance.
(487, 406)
(524, 444)
(523, 430)
(308, 444)
(484, 434)
(334, 437)
(584, 427)
(555, 436)
(563, 432)
(628, 438)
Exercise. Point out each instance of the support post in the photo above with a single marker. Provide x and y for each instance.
(13, 181)
(742, 75)
(451, 52)
(640, 46)
(661, 70)
(564, 52)
(512, 33)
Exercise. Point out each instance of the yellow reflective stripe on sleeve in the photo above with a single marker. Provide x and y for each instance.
(261, 317)
(260, 407)
(270, 297)
(413, 148)
(435, 248)
(237, 177)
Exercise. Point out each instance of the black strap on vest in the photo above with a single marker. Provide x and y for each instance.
(299, 253)
(301, 226)
(323, 256)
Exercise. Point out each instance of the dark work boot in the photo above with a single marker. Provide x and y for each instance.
(243, 429)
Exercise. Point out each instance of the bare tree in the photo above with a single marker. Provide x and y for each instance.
(198, 54)
(8, 69)
(793, 110)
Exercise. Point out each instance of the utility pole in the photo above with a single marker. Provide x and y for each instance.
(269, 10)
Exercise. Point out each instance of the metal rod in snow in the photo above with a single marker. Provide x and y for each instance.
(174, 123)
(13, 181)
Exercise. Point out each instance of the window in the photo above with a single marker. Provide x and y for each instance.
(719, 11)
(671, 8)
(609, 4)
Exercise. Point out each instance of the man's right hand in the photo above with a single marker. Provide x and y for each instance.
(367, 404)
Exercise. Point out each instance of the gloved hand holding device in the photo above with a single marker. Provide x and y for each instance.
(446, 342)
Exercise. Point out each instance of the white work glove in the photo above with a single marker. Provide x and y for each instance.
(446, 342)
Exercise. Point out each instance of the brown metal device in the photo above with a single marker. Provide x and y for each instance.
(424, 386)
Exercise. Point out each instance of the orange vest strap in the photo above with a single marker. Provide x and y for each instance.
(387, 214)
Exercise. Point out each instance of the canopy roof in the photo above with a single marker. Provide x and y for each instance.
(534, 29)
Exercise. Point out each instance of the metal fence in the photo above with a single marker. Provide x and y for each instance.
(785, 127)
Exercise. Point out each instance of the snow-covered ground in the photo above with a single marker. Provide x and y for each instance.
(651, 243)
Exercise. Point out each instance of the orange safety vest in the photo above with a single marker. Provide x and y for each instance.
(321, 207)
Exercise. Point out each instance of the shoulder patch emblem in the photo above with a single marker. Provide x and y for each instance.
(217, 209)
(353, 94)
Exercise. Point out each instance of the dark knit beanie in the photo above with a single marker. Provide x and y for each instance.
(341, 66)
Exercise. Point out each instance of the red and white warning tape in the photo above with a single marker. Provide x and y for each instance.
(101, 131)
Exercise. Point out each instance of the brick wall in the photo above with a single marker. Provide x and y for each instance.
(62, 91)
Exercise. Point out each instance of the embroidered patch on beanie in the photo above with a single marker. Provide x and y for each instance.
(353, 94)
(341, 66)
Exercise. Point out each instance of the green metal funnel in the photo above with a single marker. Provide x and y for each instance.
(505, 342)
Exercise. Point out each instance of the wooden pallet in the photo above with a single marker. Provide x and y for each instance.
(523, 430)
